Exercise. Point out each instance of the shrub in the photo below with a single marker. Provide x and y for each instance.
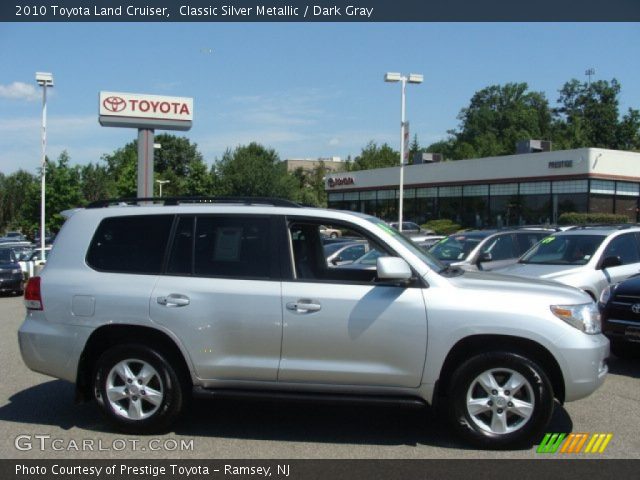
(573, 218)
(442, 227)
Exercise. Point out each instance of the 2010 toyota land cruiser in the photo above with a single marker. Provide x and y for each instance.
(142, 305)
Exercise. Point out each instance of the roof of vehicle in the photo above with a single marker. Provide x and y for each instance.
(598, 230)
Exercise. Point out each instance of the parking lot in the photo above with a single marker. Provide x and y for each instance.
(39, 420)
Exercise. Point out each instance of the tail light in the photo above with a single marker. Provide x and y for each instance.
(32, 296)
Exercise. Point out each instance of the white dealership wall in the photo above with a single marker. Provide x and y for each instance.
(585, 163)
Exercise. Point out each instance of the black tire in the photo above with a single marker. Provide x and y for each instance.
(167, 381)
(625, 350)
(477, 430)
(333, 235)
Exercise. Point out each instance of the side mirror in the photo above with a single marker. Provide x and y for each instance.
(609, 262)
(393, 269)
(336, 260)
(485, 257)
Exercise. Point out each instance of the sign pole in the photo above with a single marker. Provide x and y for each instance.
(145, 162)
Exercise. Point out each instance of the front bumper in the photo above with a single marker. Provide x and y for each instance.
(585, 366)
(11, 284)
(51, 348)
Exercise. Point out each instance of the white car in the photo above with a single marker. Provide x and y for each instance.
(589, 258)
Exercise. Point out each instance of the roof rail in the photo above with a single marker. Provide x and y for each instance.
(172, 201)
(612, 226)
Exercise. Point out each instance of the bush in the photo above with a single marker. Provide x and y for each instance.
(442, 227)
(573, 218)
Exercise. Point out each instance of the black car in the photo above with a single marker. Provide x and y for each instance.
(620, 308)
(11, 278)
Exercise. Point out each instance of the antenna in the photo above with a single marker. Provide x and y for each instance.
(589, 72)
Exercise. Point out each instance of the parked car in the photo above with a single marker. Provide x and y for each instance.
(412, 230)
(11, 279)
(344, 253)
(486, 249)
(33, 259)
(429, 241)
(589, 258)
(620, 307)
(330, 232)
(142, 306)
(15, 237)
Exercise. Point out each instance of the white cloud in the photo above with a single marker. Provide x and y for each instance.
(19, 91)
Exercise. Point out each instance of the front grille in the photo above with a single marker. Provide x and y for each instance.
(6, 274)
(620, 308)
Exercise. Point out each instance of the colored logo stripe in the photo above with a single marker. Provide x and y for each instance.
(574, 443)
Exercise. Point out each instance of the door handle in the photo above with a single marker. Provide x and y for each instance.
(304, 306)
(174, 300)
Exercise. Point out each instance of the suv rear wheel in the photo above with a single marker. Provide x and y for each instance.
(500, 400)
(137, 388)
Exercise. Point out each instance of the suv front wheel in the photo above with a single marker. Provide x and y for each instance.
(137, 388)
(500, 400)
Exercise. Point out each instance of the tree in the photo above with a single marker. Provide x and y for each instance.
(177, 160)
(96, 183)
(588, 116)
(17, 192)
(373, 156)
(253, 170)
(310, 185)
(496, 118)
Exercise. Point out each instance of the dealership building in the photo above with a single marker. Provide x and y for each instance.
(526, 188)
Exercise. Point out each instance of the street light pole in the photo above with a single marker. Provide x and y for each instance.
(403, 79)
(162, 182)
(44, 80)
(402, 127)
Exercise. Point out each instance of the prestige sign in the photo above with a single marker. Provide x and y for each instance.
(139, 110)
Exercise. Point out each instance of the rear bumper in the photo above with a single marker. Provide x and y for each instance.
(51, 348)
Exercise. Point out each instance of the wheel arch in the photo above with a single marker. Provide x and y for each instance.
(108, 336)
(469, 346)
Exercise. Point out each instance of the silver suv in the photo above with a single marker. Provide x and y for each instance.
(142, 305)
(589, 258)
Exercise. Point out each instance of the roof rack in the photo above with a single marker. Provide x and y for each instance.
(172, 201)
(612, 226)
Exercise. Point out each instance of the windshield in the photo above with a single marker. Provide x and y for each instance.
(6, 256)
(455, 247)
(426, 257)
(564, 250)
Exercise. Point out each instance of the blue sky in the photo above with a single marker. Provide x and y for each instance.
(306, 90)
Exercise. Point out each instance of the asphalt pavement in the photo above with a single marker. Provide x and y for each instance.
(38, 419)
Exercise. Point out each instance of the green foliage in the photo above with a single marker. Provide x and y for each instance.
(177, 160)
(573, 218)
(253, 170)
(496, 118)
(374, 156)
(500, 115)
(310, 185)
(442, 227)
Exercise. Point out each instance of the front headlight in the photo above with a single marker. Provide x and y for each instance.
(584, 317)
(16, 270)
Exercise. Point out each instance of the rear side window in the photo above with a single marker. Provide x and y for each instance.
(134, 244)
(234, 247)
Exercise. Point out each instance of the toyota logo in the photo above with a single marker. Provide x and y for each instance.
(114, 104)
(635, 308)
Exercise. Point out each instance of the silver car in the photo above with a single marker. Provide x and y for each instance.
(589, 258)
(486, 249)
(141, 306)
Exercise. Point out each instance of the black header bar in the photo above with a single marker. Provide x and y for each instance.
(320, 11)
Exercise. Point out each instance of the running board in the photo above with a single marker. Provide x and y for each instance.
(330, 398)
